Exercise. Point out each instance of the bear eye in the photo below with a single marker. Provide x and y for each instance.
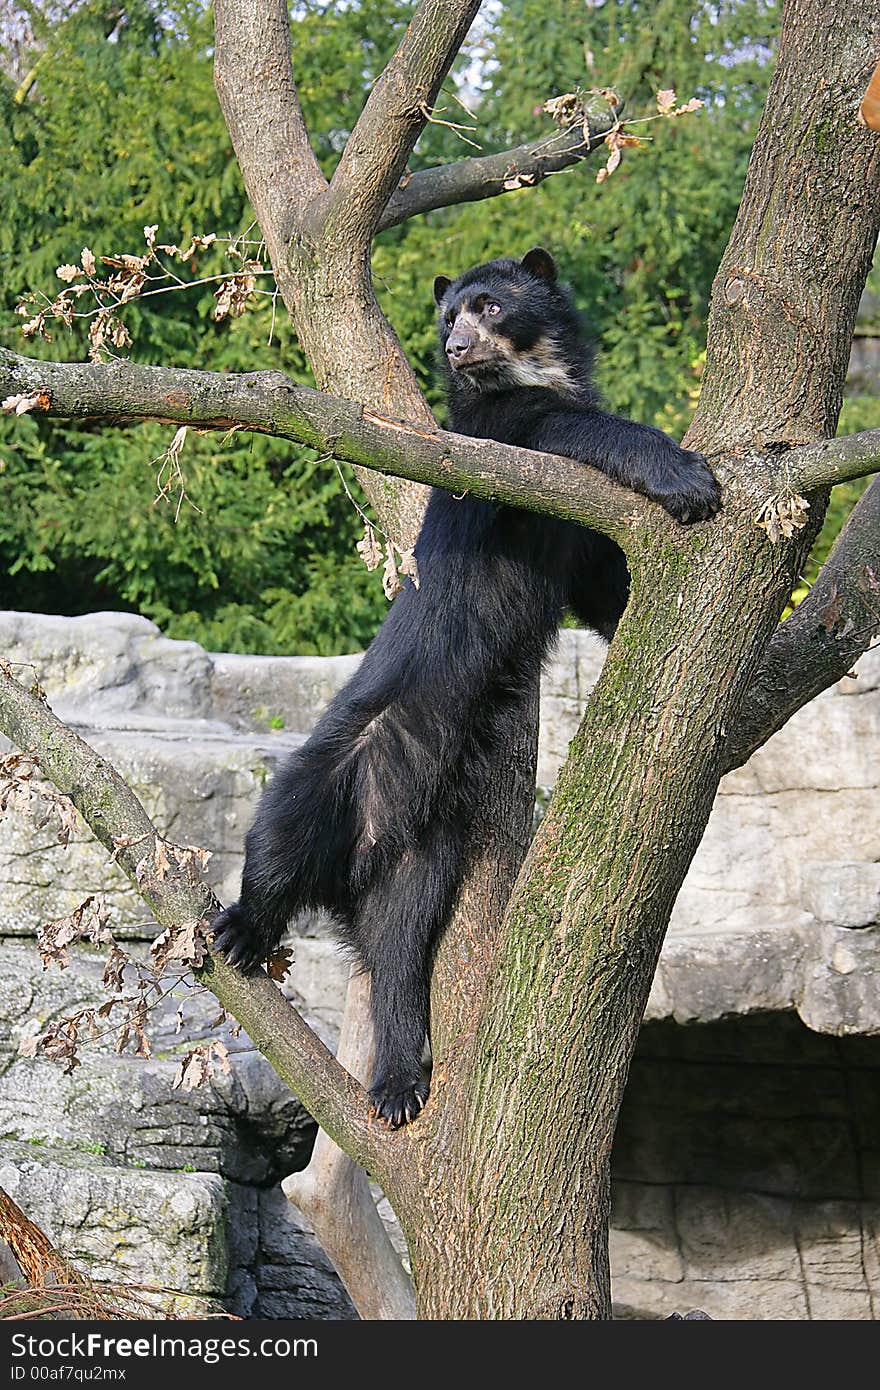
(450, 320)
(493, 309)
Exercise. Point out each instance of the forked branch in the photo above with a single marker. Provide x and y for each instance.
(394, 117)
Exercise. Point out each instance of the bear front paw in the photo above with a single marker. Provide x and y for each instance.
(691, 493)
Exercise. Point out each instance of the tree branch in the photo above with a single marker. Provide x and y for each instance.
(269, 402)
(253, 76)
(822, 639)
(393, 118)
(116, 817)
(831, 461)
(471, 180)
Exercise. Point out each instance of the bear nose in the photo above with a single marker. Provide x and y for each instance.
(458, 345)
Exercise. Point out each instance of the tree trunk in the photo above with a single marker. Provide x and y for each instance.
(502, 1184)
(354, 352)
(505, 1196)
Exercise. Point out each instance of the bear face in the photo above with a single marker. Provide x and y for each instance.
(509, 324)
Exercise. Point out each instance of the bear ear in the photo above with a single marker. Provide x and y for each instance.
(441, 285)
(540, 263)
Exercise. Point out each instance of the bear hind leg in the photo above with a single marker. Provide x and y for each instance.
(395, 927)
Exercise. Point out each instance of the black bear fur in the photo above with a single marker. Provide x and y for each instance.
(371, 817)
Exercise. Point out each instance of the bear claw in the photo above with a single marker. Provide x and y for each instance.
(398, 1106)
(235, 939)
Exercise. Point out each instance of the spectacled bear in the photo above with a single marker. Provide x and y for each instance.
(371, 818)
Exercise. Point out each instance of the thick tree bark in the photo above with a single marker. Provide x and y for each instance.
(784, 302)
(530, 1113)
(502, 1185)
(534, 1109)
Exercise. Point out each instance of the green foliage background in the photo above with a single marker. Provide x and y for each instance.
(116, 126)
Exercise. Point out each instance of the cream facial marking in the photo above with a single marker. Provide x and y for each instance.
(541, 365)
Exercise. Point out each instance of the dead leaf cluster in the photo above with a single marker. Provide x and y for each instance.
(201, 1064)
(782, 515)
(23, 790)
(125, 277)
(573, 108)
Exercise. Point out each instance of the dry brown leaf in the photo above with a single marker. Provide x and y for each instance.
(390, 581)
(89, 919)
(513, 178)
(143, 1048)
(200, 1064)
(279, 963)
(187, 944)
(162, 860)
(114, 969)
(607, 94)
(118, 334)
(369, 548)
(565, 110)
(192, 856)
(782, 515)
(23, 789)
(128, 265)
(409, 565)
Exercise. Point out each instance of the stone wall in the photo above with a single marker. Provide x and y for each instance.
(745, 1178)
(747, 1173)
